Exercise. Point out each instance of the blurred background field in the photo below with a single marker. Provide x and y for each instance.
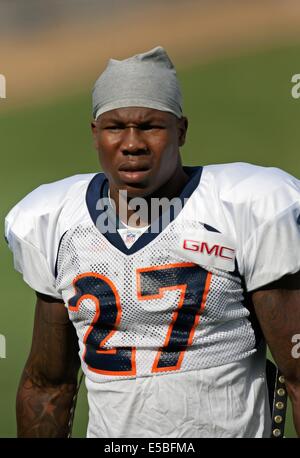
(235, 61)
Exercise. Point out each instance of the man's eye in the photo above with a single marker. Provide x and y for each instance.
(114, 128)
(151, 126)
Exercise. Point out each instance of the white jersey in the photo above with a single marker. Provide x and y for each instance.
(168, 343)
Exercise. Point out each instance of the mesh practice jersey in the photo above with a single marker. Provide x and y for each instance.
(173, 305)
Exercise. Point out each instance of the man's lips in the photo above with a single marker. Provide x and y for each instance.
(134, 167)
(134, 172)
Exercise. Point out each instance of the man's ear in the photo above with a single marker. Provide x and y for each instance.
(182, 130)
(94, 129)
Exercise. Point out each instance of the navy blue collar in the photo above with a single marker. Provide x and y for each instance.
(98, 189)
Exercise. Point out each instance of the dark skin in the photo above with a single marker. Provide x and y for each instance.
(277, 308)
(138, 149)
(48, 383)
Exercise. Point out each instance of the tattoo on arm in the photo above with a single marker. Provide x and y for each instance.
(49, 380)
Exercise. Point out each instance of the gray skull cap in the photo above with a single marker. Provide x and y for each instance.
(145, 80)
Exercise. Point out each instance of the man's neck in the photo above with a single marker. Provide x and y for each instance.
(169, 190)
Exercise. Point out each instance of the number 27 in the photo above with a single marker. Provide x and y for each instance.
(152, 282)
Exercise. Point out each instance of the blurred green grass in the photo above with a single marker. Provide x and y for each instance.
(240, 109)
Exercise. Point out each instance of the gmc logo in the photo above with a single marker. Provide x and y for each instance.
(214, 250)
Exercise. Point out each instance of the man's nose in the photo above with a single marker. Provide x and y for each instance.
(132, 142)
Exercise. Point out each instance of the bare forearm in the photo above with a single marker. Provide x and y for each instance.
(43, 410)
(49, 380)
(278, 311)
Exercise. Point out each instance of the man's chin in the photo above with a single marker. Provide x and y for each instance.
(137, 187)
(137, 190)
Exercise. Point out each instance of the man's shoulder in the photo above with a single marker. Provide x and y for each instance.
(44, 205)
(240, 181)
(49, 196)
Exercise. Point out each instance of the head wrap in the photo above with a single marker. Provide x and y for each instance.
(145, 80)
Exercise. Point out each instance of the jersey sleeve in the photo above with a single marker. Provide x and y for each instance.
(269, 229)
(24, 237)
(35, 226)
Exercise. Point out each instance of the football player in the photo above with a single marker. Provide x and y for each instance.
(167, 280)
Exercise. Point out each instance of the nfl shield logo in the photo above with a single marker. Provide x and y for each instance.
(130, 238)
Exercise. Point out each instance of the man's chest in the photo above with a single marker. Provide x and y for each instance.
(147, 308)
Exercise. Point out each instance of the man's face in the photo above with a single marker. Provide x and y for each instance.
(139, 148)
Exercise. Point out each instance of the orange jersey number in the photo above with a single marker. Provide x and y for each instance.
(193, 283)
(191, 280)
(102, 292)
